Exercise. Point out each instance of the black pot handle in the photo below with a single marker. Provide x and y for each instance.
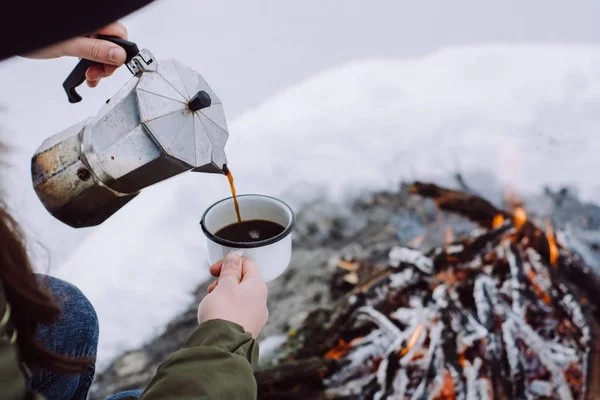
(77, 76)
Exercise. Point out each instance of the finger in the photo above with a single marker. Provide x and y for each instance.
(109, 69)
(250, 270)
(99, 71)
(215, 269)
(114, 29)
(92, 84)
(231, 271)
(212, 286)
(97, 50)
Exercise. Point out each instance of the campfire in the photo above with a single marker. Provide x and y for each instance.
(502, 313)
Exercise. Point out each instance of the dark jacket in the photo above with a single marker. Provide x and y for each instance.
(215, 362)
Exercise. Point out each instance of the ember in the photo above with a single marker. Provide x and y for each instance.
(490, 315)
(412, 340)
(338, 351)
(497, 221)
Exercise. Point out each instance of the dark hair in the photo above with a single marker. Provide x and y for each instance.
(31, 303)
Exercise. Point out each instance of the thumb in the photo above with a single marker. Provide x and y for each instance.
(231, 271)
(97, 50)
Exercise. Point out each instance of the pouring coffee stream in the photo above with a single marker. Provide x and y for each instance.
(233, 193)
(165, 121)
(251, 230)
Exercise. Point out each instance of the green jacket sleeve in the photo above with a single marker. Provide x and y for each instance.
(216, 362)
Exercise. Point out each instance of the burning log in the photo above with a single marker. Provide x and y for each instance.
(494, 315)
(570, 267)
(473, 207)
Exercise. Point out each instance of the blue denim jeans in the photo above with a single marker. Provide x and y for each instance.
(74, 335)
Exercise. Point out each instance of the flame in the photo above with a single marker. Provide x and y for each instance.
(462, 360)
(412, 340)
(553, 248)
(338, 351)
(519, 217)
(449, 238)
(416, 242)
(512, 198)
(498, 221)
(342, 348)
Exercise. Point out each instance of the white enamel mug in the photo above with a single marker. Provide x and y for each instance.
(271, 255)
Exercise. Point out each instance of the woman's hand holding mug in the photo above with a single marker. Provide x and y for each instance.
(238, 295)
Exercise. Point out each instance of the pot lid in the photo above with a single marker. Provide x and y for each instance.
(183, 113)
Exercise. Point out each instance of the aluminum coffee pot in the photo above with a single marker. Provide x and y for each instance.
(165, 121)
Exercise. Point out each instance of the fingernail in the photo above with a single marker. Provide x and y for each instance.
(232, 258)
(117, 55)
(239, 252)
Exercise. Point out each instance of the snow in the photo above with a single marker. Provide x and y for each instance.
(527, 114)
(269, 344)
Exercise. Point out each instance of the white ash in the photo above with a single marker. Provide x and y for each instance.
(403, 279)
(361, 356)
(353, 388)
(404, 255)
(550, 360)
(383, 366)
(516, 283)
(454, 249)
(381, 320)
(540, 388)
(415, 336)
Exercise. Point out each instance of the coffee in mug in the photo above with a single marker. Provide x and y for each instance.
(249, 231)
(264, 235)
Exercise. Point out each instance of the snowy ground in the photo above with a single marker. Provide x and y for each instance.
(528, 115)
